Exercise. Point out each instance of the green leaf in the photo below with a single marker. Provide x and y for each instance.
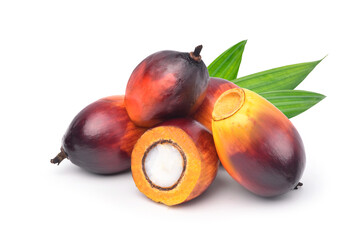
(282, 78)
(293, 102)
(227, 64)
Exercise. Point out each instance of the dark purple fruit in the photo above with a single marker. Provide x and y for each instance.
(101, 137)
(165, 85)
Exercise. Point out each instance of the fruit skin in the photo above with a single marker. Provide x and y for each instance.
(258, 145)
(101, 137)
(202, 160)
(166, 84)
(215, 88)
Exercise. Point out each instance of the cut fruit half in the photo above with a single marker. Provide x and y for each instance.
(174, 162)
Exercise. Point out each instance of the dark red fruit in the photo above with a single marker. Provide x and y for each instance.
(101, 137)
(165, 85)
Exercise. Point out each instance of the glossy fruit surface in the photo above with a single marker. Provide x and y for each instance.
(200, 161)
(215, 88)
(166, 84)
(101, 137)
(256, 143)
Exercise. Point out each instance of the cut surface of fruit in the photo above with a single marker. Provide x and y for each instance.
(215, 88)
(228, 104)
(164, 164)
(174, 162)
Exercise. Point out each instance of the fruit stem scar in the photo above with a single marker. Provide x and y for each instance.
(61, 156)
(195, 55)
(164, 141)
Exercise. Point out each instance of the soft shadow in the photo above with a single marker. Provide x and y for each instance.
(71, 169)
(225, 186)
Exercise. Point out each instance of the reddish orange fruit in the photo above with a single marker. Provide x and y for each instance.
(165, 85)
(256, 143)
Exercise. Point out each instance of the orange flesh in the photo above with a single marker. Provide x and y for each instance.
(186, 184)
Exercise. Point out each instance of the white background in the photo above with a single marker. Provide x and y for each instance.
(58, 56)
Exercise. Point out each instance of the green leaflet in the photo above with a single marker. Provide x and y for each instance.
(275, 84)
(293, 102)
(227, 64)
(282, 78)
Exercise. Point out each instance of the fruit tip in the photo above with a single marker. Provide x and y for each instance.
(58, 159)
(198, 50)
(298, 185)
